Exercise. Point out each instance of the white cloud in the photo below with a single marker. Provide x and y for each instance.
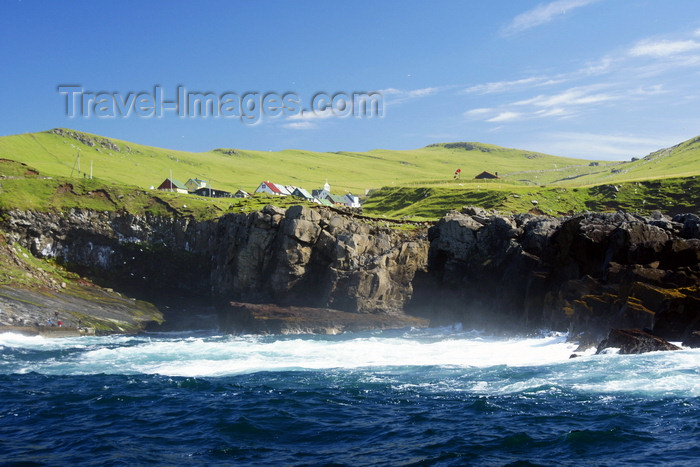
(504, 117)
(398, 96)
(477, 112)
(542, 14)
(310, 115)
(570, 97)
(422, 92)
(597, 146)
(300, 126)
(662, 48)
(502, 86)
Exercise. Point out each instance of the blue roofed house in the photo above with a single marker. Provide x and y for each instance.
(352, 201)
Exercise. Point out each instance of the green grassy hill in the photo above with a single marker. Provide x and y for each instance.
(669, 195)
(54, 152)
(413, 183)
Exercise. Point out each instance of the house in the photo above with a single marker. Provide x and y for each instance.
(320, 194)
(212, 193)
(322, 202)
(323, 193)
(241, 194)
(170, 184)
(193, 184)
(272, 189)
(302, 193)
(352, 201)
(486, 176)
(336, 199)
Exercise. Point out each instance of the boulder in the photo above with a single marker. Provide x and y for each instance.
(634, 341)
(693, 340)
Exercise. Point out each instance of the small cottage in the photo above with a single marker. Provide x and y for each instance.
(336, 199)
(352, 200)
(272, 189)
(486, 176)
(194, 184)
(302, 193)
(170, 184)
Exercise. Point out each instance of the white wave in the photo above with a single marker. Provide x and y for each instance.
(446, 359)
(218, 356)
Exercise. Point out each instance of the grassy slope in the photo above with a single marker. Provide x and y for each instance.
(144, 166)
(671, 195)
(417, 183)
(22, 187)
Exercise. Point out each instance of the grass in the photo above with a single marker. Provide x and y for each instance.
(62, 193)
(670, 195)
(418, 183)
(55, 153)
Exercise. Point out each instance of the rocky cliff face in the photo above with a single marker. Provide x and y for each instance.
(304, 257)
(316, 258)
(586, 273)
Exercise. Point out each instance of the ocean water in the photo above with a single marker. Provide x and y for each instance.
(411, 397)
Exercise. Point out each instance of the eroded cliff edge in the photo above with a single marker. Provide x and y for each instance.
(585, 273)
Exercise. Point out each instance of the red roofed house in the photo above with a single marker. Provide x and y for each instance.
(272, 189)
(173, 185)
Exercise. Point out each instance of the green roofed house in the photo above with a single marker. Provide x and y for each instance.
(170, 184)
(335, 199)
(323, 202)
(302, 193)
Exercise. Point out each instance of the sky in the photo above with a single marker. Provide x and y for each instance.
(595, 79)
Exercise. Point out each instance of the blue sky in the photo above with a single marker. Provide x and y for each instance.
(599, 79)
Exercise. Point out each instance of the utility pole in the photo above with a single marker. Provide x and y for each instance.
(77, 162)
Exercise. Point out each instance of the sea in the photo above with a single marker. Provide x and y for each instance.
(442, 396)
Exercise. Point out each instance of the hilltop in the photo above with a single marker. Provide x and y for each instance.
(55, 152)
(418, 184)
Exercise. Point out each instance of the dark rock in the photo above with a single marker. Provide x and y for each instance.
(634, 341)
(693, 340)
(248, 318)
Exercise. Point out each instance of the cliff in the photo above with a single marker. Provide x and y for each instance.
(585, 273)
(301, 256)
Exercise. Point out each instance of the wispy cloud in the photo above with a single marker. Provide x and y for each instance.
(397, 96)
(560, 105)
(306, 120)
(504, 117)
(640, 71)
(300, 126)
(477, 112)
(601, 145)
(663, 48)
(570, 97)
(542, 14)
(505, 86)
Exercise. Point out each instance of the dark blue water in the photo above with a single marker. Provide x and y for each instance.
(596, 410)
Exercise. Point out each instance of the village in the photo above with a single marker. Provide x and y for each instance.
(322, 196)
